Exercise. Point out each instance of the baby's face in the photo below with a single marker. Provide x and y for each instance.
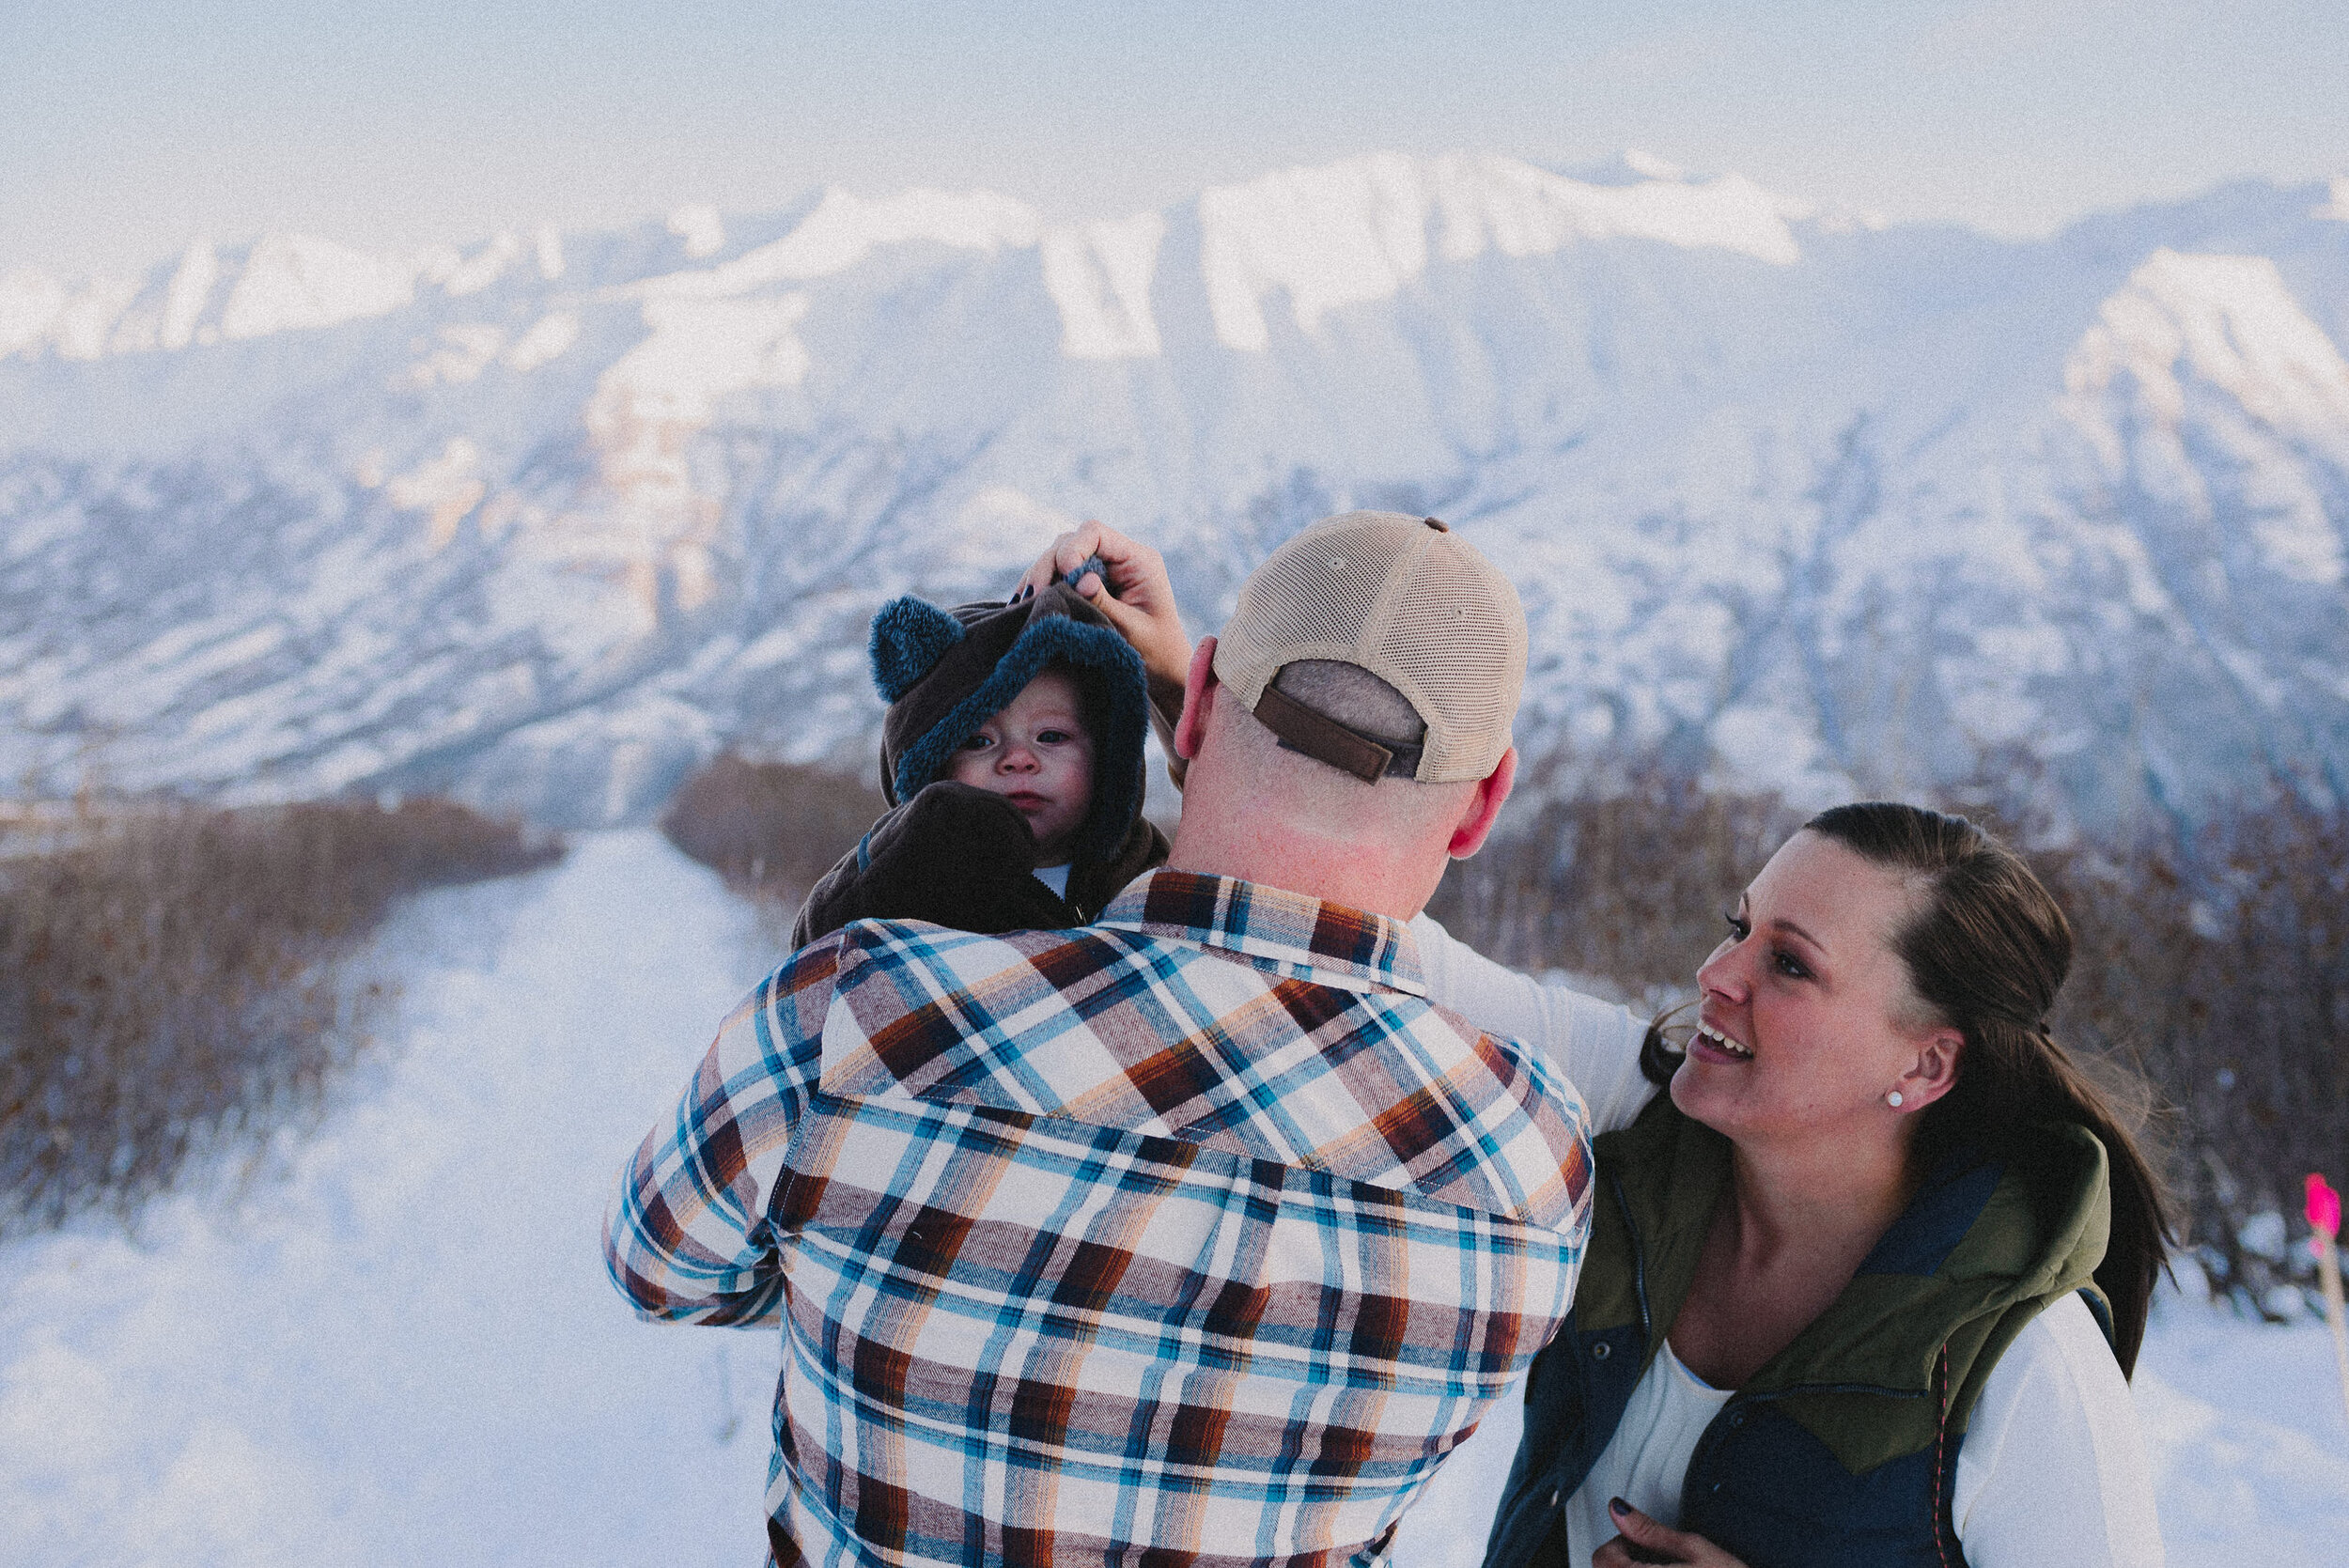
(1037, 754)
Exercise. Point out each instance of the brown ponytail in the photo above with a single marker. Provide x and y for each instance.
(1987, 952)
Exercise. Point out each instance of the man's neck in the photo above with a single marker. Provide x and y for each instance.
(1330, 870)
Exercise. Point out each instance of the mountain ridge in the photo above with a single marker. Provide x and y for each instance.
(1817, 505)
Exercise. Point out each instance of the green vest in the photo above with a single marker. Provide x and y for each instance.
(1841, 1450)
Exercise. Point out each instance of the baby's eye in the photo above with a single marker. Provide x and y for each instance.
(1054, 737)
(978, 742)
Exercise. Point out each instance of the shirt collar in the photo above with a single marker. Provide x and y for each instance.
(1329, 942)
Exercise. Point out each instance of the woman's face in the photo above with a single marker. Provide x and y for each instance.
(1805, 1015)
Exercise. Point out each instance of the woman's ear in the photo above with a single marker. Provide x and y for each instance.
(1934, 1073)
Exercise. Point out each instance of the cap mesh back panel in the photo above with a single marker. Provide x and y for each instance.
(1320, 590)
(1460, 649)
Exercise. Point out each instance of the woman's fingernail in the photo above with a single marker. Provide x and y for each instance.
(1617, 1506)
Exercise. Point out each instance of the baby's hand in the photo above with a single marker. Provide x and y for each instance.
(1138, 599)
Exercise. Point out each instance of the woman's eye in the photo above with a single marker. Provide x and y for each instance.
(1738, 929)
(1790, 965)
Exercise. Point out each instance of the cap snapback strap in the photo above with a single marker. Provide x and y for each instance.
(1325, 739)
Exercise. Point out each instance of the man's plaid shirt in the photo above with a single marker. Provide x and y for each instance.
(1196, 1236)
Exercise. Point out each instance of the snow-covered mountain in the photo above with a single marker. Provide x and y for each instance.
(1826, 504)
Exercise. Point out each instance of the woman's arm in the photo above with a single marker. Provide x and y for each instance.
(1595, 1043)
(2054, 1467)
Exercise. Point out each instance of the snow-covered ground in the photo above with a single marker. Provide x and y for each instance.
(396, 1345)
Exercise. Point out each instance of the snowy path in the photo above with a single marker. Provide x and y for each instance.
(401, 1348)
(407, 1353)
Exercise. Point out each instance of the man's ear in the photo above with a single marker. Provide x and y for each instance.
(1199, 689)
(1484, 806)
(1934, 1072)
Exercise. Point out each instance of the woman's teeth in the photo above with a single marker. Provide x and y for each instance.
(1724, 1041)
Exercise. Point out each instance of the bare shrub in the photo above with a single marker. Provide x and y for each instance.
(170, 979)
(1628, 888)
(2218, 957)
(771, 828)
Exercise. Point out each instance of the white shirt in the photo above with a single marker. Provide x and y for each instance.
(1054, 878)
(1595, 1043)
(2053, 1470)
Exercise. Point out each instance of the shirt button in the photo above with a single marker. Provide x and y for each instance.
(1737, 1418)
(1553, 1496)
(1598, 1351)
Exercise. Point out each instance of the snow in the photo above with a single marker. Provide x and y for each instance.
(2186, 325)
(30, 304)
(701, 229)
(1357, 231)
(549, 339)
(292, 281)
(395, 1342)
(845, 228)
(484, 266)
(1100, 277)
(190, 288)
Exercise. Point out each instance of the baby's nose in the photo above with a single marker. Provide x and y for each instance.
(1016, 758)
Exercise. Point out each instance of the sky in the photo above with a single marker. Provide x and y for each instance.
(127, 130)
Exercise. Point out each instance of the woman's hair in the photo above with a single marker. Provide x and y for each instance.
(1987, 950)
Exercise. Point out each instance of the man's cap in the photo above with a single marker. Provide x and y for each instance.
(1409, 601)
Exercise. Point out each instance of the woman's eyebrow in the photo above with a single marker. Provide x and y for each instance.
(1782, 923)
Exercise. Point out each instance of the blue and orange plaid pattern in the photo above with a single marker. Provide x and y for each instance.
(1198, 1235)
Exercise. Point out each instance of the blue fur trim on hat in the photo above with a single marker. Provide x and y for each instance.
(910, 636)
(1117, 756)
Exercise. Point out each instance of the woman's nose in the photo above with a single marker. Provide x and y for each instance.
(1723, 973)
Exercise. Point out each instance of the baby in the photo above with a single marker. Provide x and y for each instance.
(1012, 760)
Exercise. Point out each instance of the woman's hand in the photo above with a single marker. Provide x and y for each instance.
(1138, 599)
(1645, 1541)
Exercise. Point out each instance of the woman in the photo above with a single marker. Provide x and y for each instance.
(1851, 1282)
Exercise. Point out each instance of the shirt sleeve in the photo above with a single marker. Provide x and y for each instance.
(688, 1238)
(2054, 1469)
(1595, 1043)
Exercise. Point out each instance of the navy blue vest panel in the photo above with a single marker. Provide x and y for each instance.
(1764, 1489)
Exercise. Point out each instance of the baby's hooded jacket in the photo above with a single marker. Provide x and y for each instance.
(962, 856)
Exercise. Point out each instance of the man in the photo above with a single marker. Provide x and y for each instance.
(1196, 1234)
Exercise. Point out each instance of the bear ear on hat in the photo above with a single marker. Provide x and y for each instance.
(910, 636)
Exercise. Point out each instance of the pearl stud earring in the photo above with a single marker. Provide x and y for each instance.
(1894, 1099)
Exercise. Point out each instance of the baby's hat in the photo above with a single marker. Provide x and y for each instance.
(944, 672)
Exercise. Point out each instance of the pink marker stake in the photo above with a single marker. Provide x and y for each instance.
(2325, 1219)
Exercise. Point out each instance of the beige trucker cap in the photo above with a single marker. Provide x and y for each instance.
(1404, 599)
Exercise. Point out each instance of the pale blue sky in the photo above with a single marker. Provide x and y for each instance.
(125, 129)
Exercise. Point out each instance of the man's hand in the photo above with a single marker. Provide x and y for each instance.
(1645, 1541)
(1138, 599)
